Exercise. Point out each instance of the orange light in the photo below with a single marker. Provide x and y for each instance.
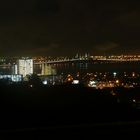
(117, 81)
(69, 79)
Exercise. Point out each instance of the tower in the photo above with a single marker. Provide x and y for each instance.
(25, 66)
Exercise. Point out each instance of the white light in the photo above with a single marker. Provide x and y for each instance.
(92, 85)
(134, 100)
(114, 73)
(45, 82)
(31, 86)
(75, 82)
(92, 82)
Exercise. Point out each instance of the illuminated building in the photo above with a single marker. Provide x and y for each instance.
(25, 66)
(13, 78)
(48, 70)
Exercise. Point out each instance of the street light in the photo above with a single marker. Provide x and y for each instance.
(114, 73)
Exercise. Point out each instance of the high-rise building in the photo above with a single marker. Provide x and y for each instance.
(25, 66)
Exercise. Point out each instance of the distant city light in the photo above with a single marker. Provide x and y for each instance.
(49, 69)
(114, 73)
(31, 86)
(134, 100)
(113, 93)
(75, 82)
(45, 82)
(69, 79)
(92, 84)
(13, 78)
(133, 74)
(117, 81)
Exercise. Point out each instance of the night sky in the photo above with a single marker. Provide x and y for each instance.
(67, 27)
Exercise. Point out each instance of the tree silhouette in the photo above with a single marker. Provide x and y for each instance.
(34, 80)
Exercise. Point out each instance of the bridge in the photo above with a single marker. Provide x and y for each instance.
(58, 61)
(81, 59)
(78, 60)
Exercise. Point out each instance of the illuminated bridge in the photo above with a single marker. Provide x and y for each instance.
(86, 59)
(87, 65)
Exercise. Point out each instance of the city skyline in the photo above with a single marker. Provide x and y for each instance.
(69, 67)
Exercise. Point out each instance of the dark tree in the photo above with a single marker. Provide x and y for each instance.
(34, 80)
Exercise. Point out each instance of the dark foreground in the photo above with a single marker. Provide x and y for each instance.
(68, 110)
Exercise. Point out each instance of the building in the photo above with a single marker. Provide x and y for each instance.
(12, 78)
(25, 67)
(48, 70)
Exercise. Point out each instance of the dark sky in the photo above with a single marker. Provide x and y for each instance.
(67, 27)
